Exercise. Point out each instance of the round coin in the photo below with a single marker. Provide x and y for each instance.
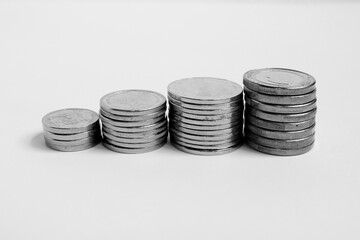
(176, 118)
(136, 135)
(281, 135)
(224, 106)
(206, 147)
(202, 152)
(204, 143)
(135, 129)
(204, 90)
(74, 142)
(71, 148)
(234, 129)
(133, 118)
(131, 123)
(136, 145)
(236, 114)
(279, 81)
(205, 127)
(147, 139)
(173, 107)
(278, 151)
(209, 138)
(133, 150)
(72, 137)
(279, 126)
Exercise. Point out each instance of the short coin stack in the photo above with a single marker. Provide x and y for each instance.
(280, 111)
(133, 121)
(205, 115)
(71, 129)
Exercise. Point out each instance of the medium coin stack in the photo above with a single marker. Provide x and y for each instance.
(133, 121)
(280, 111)
(205, 115)
(71, 129)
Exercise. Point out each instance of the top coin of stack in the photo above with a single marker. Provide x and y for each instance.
(280, 111)
(71, 129)
(133, 121)
(205, 115)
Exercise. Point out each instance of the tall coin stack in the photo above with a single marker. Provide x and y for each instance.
(133, 121)
(205, 115)
(280, 111)
(72, 129)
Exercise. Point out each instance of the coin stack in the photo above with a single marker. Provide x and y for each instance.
(280, 111)
(71, 129)
(205, 115)
(133, 121)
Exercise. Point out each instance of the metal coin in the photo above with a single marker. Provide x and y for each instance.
(146, 128)
(205, 143)
(206, 137)
(74, 142)
(237, 115)
(229, 106)
(131, 123)
(136, 135)
(278, 126)
(205, 127)
(206, 132)
(70, 120)
(135, 145)
(281, 135)
(282, 144)
(72, 137)
(202, 152)
(287, 109)
(279, 81)
(204, 112)
(177, 118)
(132, 102)
(278, 117)
(147, 139)
(206, 147)
(278, 151)
(132, 118)
(204, 90)
(281, 99)
(133, 150)
(71, 148)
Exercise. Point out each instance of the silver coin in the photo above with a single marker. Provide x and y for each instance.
(71, 148)
(209, 138)
(278, 117)
(205, 127)
(133, 118)
(70, 120)
(204, 112)
(202, 152)
(146, 128)
(132, 102)
(72, 137)
(136, 135)
(236, 114)
(147, 139)
(278, 126)
(281, 99)
(224, 106)
(206, 147)
(135, 145)
(205, 143)
(131, 123)
(287, 109)
(74, 142)
(177, 118)
(278, 151)
(282, 144)
(237, 128)
(279, 81)
(281, 135)
(204, 90)
(133, 150)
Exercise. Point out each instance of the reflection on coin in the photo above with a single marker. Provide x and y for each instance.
(279, 126)
(279, 152)
(135, 129)
(277, 117)
(281, 135)
(71, 120)
(229, 106)
(281, 99)
(147, 139)
(204, 90)
(133, 118)
(173, 107)
(178, 118)
(287, 109)
(279, 81)
(205, 127)
(133, 150)
(136, 135)
(282, 144)
(132, 102)
(72, 137)
(71, 148)
(209, 138)
(131, 123)
(212, 152)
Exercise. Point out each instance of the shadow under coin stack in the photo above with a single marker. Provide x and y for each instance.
(205, 115)
(280, 111)
(133, 121)
(71, 129)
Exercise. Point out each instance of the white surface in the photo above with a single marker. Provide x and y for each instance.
(58, 55)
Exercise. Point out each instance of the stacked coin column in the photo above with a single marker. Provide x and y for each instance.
(205, 115)
(280, 111)
(133, 121)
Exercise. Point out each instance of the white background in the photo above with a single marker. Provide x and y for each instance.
(56, 55)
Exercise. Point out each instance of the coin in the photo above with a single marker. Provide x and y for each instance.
(202, 152)
(175, 137)
(146, 128)
(147, 139)
(136, 135)
(205, 127)
(282, 144)
(132, 102)
(279, 126)
(178, 118)
(281, 99)
(206, 147)
(133, 150)
(70, 120)
(144, 117)
(131, 123)
(281, 135)
(72, 137)
(236, 114)
(204, 90)
(277, 117)
(71, 148)
(136, 145)
(218, 137)
(74, 142)
(237, 128)
(287, 109)
(279, 81)
(232, 106)
(278, 151)
(173, 107)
